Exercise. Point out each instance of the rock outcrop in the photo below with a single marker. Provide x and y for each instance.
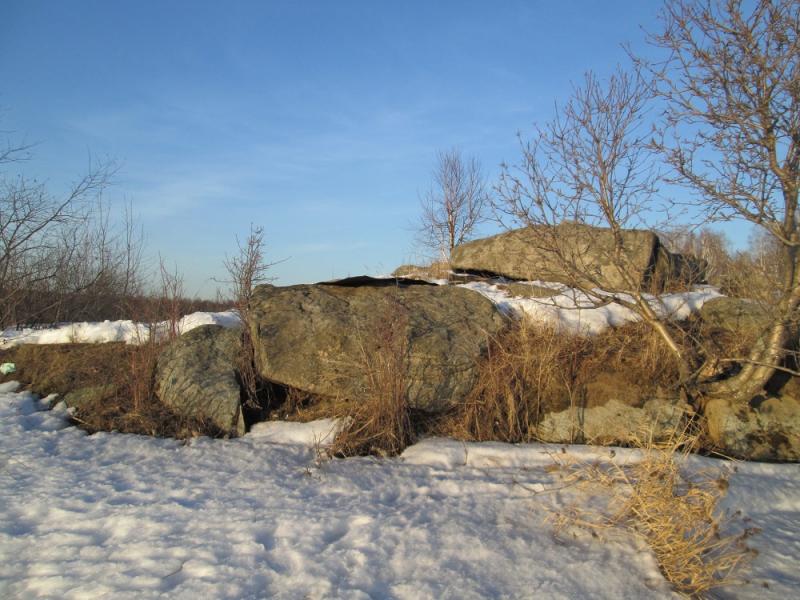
(196, 376)
(321, 338)
(520, 254)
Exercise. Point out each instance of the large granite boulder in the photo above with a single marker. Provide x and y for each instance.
(524, 254)
(196, 376)
(321, 338)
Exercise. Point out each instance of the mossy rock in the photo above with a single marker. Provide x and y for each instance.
(615, 422)
(735, 315)
(322, 338)
(196, 377)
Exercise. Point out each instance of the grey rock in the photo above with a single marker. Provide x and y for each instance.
(436, 270)
(196, 376)
(736, 315)
(319, 338)
(614, 422)
(519, 254)
(768, 428)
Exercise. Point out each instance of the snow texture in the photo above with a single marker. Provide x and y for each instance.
(126, 516)
(111, 331)
(572, 310)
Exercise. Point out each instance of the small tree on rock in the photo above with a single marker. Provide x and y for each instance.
(454, 205)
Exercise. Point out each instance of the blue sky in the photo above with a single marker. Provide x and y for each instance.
(318, 120)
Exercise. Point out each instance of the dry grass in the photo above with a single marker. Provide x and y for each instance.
(532, 369)
(528, 370)
(638, 354)
(124, 374)
(675, 509)
(61, 368)
(379, 423)
(145, 417)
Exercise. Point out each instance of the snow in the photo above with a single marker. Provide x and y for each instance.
(125, 516)
(573, 310)
(111, 331)
(316, 433)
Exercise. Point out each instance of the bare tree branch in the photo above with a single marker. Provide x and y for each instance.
(731, 82)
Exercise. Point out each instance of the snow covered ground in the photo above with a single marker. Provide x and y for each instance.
(124, 516)
(569, 308)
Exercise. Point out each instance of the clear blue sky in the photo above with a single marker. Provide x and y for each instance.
(318, 120)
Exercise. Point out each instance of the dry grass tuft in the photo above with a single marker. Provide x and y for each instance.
(674, 508)
(380, 422)
(528, 370)
(532, 369)
(148, 417)
(638, 354)
(61, 368)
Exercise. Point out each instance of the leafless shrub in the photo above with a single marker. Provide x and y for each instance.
(60, 257)
(171, 286)
(585, 179)
(246, 270)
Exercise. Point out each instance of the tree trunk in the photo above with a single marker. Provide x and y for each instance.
(766, 357)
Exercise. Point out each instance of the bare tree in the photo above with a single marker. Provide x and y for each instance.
(586, 178)
(41, 238)
(454, 205)
(731, 82)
